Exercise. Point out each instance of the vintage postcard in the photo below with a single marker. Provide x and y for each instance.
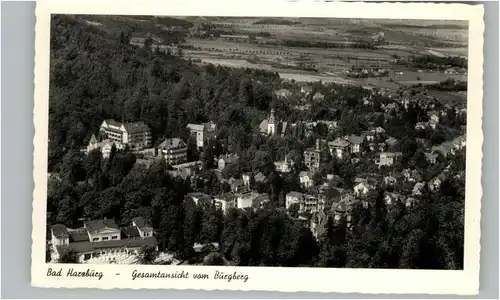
(272, 146)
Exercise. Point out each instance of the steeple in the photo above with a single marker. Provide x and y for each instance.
(271, 117)
(271, 126)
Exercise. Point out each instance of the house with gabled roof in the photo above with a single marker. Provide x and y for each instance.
(143, 226)
(417, 189)
(355, 142)
(318, 96)
(338, 147)
(363, 188)
(283, 93)
(173, 150)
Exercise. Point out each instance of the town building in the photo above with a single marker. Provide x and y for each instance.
(200, 199)
(224, 160)
(388, 158)
(283, 93)
(363, 188)
(338, 147)
(417, 189)
(355, 142)
(306, 179)
(102, 238)
(309, 204)
(247, 200)
(293, 198)
(271, 126)
(411, 175)
(391, 198)
(431, 157)
(306, 90)
(433, 123)
(390, 180)
(339, 209)
(312, 157)
(391, 142)
(202, 132)
(433, 116)
(368, 135)
(284, 166)
(137, 134)
(318, 97)
(105, 146)
(174, 151)
(261, 201)
(246, 179)
(237, 185)
(225, 202)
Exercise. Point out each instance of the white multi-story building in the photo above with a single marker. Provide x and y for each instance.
(137, 134)
(201, 132)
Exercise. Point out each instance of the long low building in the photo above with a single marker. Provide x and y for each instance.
(102, 237)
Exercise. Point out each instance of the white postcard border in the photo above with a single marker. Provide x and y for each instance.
(465, 282)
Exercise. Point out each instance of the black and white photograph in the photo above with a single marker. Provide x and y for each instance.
(229, 141)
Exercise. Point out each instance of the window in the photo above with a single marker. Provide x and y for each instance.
(114, 237)
(105, 238)
(95, 239)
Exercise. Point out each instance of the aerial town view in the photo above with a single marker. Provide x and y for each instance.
(247, 141)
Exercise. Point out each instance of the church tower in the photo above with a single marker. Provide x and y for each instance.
(271, 124)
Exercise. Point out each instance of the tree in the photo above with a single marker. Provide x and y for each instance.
(147, 255)
(48, 253)
(148, 43)
(68, 257)
(293, 210)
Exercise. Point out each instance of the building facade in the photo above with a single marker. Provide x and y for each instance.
(102, 238)
(312, 157)
(137, 134)
(201, 132)
(174, 151)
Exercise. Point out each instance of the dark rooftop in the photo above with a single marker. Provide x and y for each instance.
(141, 222)
(79, 236)
(96, 225)
(130, 232)
(59, 231)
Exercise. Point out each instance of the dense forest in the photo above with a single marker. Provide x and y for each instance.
(95, 75)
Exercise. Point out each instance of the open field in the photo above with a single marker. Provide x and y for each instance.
(331, 63)
(228, 43)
